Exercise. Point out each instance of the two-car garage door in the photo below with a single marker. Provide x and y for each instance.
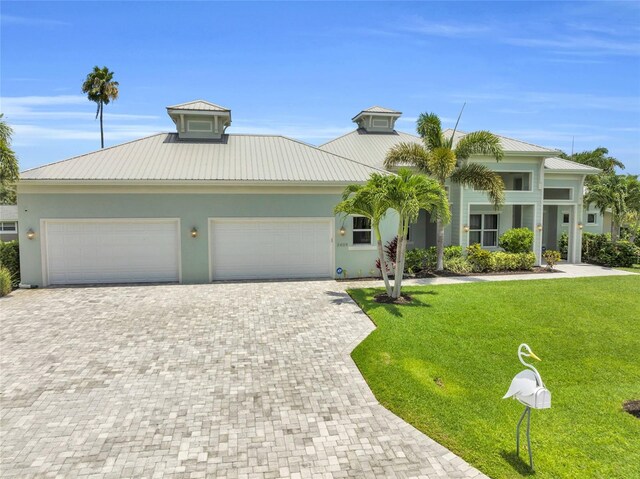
(91, 251)
(111, 251)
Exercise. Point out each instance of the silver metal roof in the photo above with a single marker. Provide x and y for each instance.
(562, 165)
(509, 145)
(380, 109)
(8, 213)
(234, 158)
(200, 105)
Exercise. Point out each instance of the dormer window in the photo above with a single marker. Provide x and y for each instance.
(200, 119)
(377, 119)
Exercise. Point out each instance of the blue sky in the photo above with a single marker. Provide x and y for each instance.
(541, 72)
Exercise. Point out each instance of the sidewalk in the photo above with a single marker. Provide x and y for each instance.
(581, 270)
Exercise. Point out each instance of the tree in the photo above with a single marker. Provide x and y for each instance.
(9, 170)
(409, 193)
(619, 193)
(439, 159)
(100, 88)
(371, 201)
(597, 158)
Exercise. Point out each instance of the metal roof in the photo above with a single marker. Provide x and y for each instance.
(368, 148)
(377, 109)
(200, 105)
(509, 145)
(234, 158)
(8, 213)
(562, 165)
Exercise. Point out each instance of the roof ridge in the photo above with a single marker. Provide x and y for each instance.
(95, 151)
(178, 105)
(527, 143)
(333, 154)
(337, 138)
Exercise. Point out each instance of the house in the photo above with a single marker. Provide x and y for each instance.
(203, 204)
(8, 222)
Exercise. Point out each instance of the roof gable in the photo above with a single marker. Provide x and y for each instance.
(561, 165)
(198, 105)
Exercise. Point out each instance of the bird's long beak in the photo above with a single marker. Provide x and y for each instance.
(531, 353)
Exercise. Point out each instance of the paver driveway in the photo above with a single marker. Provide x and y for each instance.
(220, 380)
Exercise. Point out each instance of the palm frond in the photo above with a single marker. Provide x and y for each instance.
(441, 163)
(429, 128)
(479, 143)
(408, 154)
(480, 177)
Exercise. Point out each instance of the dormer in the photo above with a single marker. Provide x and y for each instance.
(377, 119)
(200, 120)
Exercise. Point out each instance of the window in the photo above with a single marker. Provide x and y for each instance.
(557, 193)
(565, 218)
(591, 218)
(361, 230)
(194, 125)
(8, 227)
(483, 229)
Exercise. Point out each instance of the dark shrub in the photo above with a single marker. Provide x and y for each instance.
(599, 249)
(516, 240)
(10, 259)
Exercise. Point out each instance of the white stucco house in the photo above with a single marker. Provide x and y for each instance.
(203, 204)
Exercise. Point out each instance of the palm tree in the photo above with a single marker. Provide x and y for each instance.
(597, 158)
(100, 88)
(371, 201)
(409, 193)
(439, 159)
(9, 169)
(620, 193)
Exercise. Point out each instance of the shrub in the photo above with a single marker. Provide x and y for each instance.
(526, 261)
(10, 259)
(390, 250)
(450, 252)
(416, 260)
(599, 249)
(458, 265)
(481, 260)
(563, 244)
(5, 281)
(551, 257)
(506, 261)
(517, 240)
(592, 244)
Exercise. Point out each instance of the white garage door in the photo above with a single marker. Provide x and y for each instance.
(112, 251)
(268, 248)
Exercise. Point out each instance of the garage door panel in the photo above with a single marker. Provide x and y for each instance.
(271, 248)
(112, 252)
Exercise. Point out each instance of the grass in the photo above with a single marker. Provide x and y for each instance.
(634, 269)
(444, 362)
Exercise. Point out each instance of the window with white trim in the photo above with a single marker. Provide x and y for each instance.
(483, 229)
(592, 218)
(565, 218)
(361, 231)
(8, 227)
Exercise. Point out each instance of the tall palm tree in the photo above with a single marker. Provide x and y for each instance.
(597, 158)
(441, 160)
(619, 193)
(408, 193)
(100, 88)
(9, 169)
(371, 201)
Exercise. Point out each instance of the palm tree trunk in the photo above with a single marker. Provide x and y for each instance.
(101, 132)
(383, 263)
(397, 280)
(440, 244)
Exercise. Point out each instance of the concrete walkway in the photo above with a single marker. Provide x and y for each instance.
(563, 271)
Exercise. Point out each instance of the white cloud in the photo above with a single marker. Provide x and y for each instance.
(31, 21)
(29, 135)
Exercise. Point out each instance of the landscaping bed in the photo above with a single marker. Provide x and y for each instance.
(444, 361)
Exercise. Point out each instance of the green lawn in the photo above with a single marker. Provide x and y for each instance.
(444, 363)
(634, 269)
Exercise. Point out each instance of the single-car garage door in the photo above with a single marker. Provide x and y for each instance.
(111, 251)
(268, 248)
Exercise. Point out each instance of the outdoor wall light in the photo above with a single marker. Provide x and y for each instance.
(194, 232)
(466, 228)
(342, 231)
(580, 226)
(539, 227)
(31, 234)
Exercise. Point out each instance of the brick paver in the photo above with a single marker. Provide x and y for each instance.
(220, 380)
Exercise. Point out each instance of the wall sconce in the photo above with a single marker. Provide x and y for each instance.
(31, 234)
(194, 232)
(580, 226)
(465, 228)
(342, 231)
(539, 227)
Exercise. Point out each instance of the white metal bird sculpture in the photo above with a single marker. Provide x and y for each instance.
(528, 388)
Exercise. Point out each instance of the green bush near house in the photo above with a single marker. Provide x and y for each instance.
(516, 240)
(563, 245)
(5, 281)
(458, 265)
(551, 257)
(599, 249)
(481, 260)
(10, 259)
(425, 259)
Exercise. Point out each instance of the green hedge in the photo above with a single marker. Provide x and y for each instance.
(599, 249)
(425, 259)
(483, 261)
(517, 240)
(10, 259)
